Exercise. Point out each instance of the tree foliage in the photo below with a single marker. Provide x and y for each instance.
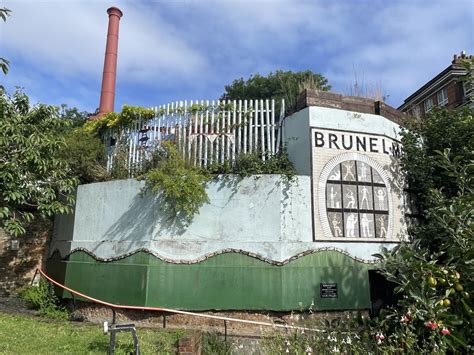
(129, 116)
(4, 64)
(32, 176)
(435, 271)
(85, 155)
(181, 186)
(72, 114)
(279, 85)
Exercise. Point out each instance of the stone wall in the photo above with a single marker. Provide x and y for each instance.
(20, 256)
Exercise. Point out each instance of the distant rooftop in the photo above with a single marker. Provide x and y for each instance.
(455, 68)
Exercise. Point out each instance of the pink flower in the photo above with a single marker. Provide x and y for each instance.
(432, 325)
(405, 318)
(445, 331)
(379, 337)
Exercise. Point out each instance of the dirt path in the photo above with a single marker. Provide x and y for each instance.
(15, 305)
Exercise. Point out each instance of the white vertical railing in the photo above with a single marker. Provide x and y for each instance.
(205, 132)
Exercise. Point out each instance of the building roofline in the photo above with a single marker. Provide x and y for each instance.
(451, 69)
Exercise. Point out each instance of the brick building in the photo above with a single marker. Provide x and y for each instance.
(445, 89)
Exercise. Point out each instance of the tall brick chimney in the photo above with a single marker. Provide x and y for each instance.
(107, 94)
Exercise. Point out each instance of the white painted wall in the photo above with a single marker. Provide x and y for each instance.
(260, 215)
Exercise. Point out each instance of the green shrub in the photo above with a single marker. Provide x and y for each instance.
(85, 155)
(43, 299)
(213, 343)
(252, 164)
(182, 187)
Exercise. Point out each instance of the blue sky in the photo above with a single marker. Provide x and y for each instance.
(190, 49)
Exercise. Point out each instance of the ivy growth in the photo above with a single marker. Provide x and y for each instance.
(181, 186)
(129, 116)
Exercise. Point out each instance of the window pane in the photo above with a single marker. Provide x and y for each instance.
(351, 223)
(363, 172)
(335, 173)
(348, 171)
(335, 221)
(365, 198)
(367, 225)
(381, 225)
(381, 199)
(350, 196)
(333, 196)
(377, 178)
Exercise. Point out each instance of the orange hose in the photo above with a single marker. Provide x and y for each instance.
(169, 310)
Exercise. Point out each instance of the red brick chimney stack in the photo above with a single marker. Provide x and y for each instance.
(107, 94)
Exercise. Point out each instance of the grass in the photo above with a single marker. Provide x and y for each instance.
(33, 335)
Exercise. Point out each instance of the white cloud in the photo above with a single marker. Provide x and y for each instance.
(414, 42)
(197, 47)
(68, 39)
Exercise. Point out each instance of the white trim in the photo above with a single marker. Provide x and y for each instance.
(427, 107)
(444, 98)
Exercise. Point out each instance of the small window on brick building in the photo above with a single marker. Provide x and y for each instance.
(428, 105)
(416, 112)
(442, 97)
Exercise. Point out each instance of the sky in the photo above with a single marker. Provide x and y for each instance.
(190, 49)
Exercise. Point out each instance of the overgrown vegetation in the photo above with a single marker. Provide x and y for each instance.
(127, 118)
(252, 164)
(433, 271)
(47, 153)
(85, 154)
(279, 85)
(32, 176)
(43, 299)
(182, 186)
(4, 63)
(347, 335)
(214, 344)
(26, 335)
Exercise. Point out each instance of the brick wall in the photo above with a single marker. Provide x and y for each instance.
(19, 257)
(190, 344)
(350, 103)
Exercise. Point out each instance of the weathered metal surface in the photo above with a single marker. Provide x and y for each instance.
(227, 281)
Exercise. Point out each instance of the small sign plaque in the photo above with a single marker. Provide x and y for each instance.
(328, 290)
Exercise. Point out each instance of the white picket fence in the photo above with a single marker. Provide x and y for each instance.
(204, 131)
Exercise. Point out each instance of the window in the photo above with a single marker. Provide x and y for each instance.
(428, 105)
(416, 112)
(442, 97)
(356, 201)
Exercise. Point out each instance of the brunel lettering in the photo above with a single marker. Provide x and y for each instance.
(347, 141)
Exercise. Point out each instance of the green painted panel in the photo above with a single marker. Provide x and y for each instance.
(228, 281)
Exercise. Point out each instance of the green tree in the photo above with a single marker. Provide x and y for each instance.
(434, 271)
(85, 155)
(33, 180)
(4, 64)
(83, 152)
(279, 85)
(76, 117)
